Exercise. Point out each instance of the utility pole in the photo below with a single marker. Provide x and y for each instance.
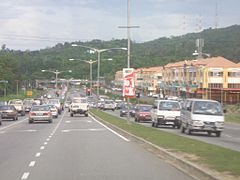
(129, 45)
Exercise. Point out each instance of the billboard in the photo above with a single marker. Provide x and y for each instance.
(128, 82)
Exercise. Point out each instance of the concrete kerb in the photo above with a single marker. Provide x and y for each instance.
(179, 163)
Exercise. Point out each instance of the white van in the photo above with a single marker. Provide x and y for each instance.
(166, 112)
(199, 115)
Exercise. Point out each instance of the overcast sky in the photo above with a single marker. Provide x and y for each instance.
(37, 24)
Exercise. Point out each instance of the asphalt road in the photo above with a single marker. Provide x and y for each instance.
(230, 137)
(75, 148)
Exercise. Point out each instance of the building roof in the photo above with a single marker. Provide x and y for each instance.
(217, 62)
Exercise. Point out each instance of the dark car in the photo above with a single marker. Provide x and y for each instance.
(9, 112)
(123, 111)
(143, 113)
(132, 111)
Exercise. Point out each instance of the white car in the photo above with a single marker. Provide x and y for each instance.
(18, 104)
(166, 112)
(54, 111)
(79, 106)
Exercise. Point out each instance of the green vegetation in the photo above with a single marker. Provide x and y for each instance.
(234, 118)
(215, 157)
(22, 95)
(25, 66)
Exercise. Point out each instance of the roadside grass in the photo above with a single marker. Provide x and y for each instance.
(214, 157)
(234, 117)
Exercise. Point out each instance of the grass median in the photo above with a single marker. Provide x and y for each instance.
(214, 157)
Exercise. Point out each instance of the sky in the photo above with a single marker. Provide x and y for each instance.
(37, 24)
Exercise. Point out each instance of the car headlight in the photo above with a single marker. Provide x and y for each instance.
(197, 123)
(219, 124)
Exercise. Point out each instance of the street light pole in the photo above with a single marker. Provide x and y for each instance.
(99, 51)
(56, 72)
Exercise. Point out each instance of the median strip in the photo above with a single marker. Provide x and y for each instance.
(223, 162)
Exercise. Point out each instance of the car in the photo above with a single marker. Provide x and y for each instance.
(79, 106)
(18, 104)
(199, 115)
(143, 113)
(108, 105)
(28, 103)
(40, 113)
(166, 112)
(57, 103)
(54, 110)
(118, 103)
(9, 112)
(132, 110)
(3, 103)
(123, 111)
(67, 104)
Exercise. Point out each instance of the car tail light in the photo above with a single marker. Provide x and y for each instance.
(47, 114)
(32, 114)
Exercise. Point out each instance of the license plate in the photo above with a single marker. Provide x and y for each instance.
(39, 114)
(169, 123)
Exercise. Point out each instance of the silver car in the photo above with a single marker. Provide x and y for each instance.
(40, 113)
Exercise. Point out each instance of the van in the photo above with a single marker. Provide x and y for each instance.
(199, 115)
(166, 112)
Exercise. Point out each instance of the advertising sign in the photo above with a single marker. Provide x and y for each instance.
(128, 82)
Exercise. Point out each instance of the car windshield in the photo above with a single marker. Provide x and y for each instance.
(53, 101)
(207, 108)
(40, 108)
(79, 100)
(15, 102)
(169, 106)
(108, 102)
(6, 107)
(145, 108)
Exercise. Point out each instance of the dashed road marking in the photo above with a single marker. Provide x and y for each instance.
(70, 130)
(25, 175)
(32, 163)
(45, 143)
(38, 154)
(42, 147)
(67, 121)
(47, 139)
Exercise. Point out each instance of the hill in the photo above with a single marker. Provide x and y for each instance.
(26, 65)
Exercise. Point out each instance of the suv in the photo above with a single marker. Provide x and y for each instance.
(79, 106)
(18, 104)
(166, 112)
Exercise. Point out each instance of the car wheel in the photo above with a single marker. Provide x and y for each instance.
(50, 121)
(182, 129)
(218, 133)
(188, 131)
(0, 123)
(71, 114)
(30, 121)
(121, 115)
(209, 133)
(86, 114)
(22, 113)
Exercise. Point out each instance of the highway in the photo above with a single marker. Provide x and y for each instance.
(75, 148)
(230, 137)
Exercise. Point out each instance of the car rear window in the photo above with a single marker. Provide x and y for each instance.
(40, 108)
(169, 106)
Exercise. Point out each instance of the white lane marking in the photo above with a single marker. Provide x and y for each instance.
(67, 121)
(89, 121)
(49, 136)
(42, 147)
(47, 139)
(38, 154)
(58, 124)
(114, 132)
(45, 143)
(32, 163)
(228, 136)
(27, 130)
(70, 130)
(13, 124)
(25, 175)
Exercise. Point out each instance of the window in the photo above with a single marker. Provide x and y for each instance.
(215, 85)
(234, 74)
(215, 74)
(236, 86)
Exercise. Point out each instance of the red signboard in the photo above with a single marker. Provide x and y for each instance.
(128, 82)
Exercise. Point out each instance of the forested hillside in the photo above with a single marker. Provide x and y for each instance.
(26, 65)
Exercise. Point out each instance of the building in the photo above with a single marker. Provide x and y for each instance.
(211, 78)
